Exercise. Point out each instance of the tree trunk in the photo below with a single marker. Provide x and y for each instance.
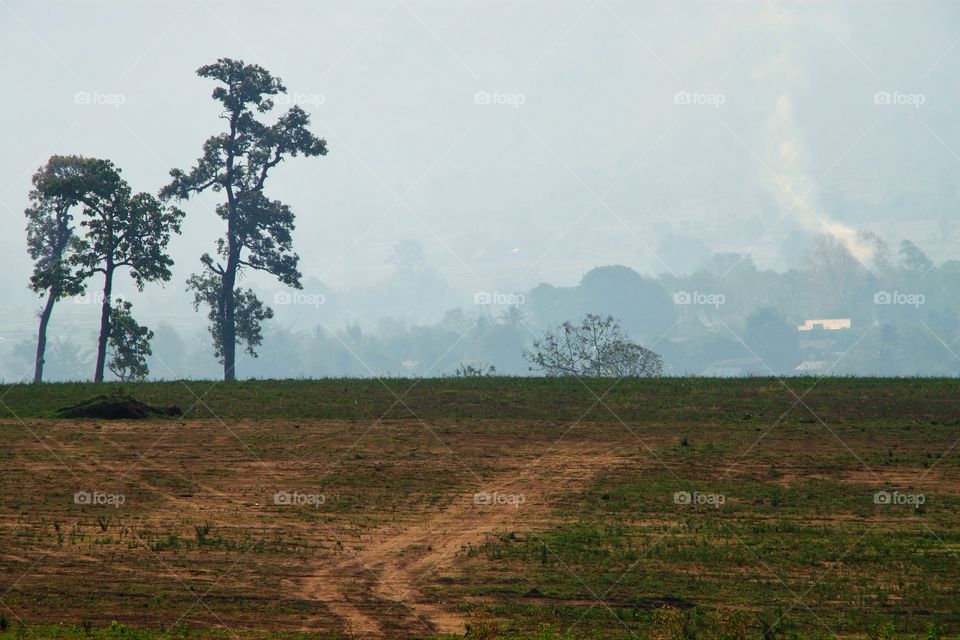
(42, 338)
(228, 333)
(228, 327)
(104, 325)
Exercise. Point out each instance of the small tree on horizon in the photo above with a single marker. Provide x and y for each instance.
(237, 162)
(129, 344)
(597, 347)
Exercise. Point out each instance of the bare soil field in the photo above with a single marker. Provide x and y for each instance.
(750, 524)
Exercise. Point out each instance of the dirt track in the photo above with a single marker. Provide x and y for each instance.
(401, 509)
(382, 581)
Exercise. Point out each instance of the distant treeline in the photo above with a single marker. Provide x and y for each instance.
(727, 318)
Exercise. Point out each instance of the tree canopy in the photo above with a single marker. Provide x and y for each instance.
(237, 163)
(596, 347)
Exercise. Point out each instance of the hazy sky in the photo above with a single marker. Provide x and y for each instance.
(519, 142)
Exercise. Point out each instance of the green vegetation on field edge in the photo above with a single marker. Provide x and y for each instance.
(923, 400)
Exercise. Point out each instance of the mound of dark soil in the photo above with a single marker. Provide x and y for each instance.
(116, 407)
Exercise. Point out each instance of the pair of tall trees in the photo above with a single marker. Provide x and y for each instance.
(121, 230)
